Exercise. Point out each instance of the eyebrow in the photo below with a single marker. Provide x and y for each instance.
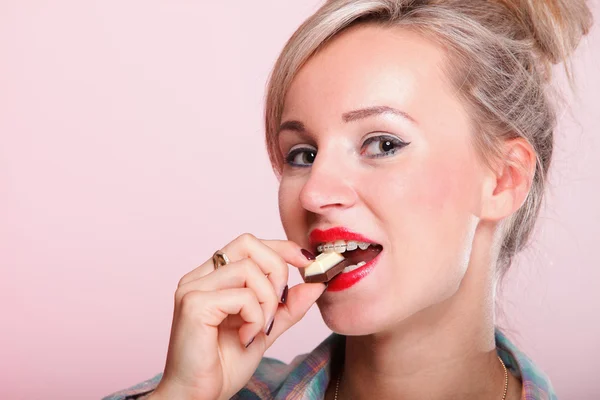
(351, 116)
(373, 111)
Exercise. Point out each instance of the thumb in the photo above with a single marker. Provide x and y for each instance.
(299, 300)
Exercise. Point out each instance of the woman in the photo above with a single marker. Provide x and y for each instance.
(421, 133)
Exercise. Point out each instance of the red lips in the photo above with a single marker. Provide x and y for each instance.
(343, 281)
(318, 236)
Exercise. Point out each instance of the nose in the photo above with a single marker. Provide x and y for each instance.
(330, 185)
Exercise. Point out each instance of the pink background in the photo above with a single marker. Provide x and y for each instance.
(132, 147)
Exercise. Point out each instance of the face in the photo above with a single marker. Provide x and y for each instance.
(379, 148)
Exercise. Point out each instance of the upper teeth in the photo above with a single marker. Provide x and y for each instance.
(341, 246)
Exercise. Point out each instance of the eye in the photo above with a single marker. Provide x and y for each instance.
(301, 156)
(381, 146)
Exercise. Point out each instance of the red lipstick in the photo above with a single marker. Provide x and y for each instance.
(348, 279)
(331, 235)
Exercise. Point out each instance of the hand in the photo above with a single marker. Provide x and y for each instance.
(221, 318)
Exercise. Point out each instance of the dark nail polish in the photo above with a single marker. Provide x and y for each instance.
(270, 327)
(284, 295)
(250, 342)
(309, 256)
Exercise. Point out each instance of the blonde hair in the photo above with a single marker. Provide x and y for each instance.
(500, 54)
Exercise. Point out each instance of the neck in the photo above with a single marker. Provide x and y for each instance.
(444, 352)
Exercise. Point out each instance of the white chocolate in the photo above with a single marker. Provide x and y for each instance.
(323, 263)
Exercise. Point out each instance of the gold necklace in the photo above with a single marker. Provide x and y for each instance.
(339, 378)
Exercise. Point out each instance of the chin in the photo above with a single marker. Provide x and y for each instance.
(351, 319)
(347, 327)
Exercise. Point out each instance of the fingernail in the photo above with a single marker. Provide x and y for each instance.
(270, 327)
(309, 256)
(250, 342)
(284, 294)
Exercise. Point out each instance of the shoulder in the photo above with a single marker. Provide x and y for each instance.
(536, 384)
(138, 391)
(270, 377)
(305, 377)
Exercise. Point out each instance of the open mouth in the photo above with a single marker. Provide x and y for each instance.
(356, 253)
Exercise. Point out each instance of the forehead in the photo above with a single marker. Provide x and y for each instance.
(369, 65)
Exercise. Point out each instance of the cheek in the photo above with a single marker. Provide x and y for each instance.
(445, 200)
(290, 211)
(445, 187)
(447, 182)
(427, 210)
(434, 187)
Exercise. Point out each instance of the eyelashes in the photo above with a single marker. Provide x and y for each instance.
(374, 147)
(301, 157)
(382, 146)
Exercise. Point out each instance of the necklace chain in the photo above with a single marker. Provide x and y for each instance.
(339, 378)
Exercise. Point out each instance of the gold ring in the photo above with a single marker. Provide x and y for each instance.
(219, 259)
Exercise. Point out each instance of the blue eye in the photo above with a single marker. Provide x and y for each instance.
(381, 146)
(301, 157)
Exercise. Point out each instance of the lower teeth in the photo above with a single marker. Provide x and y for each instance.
(351, 268)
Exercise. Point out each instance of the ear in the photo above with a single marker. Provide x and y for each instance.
(508, 183)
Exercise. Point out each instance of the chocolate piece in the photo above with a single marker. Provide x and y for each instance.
(323, 262)
(325, 267)
(329, 274)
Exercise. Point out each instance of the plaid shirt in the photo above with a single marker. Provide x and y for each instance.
(308, 375)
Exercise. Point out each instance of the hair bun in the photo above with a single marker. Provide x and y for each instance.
(556, 25)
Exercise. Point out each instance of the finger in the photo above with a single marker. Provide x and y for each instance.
(202, 270)
(239, 274)
(300, 298)
(211, 308)
(272, 264)
(291, 252)
(271, 255)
